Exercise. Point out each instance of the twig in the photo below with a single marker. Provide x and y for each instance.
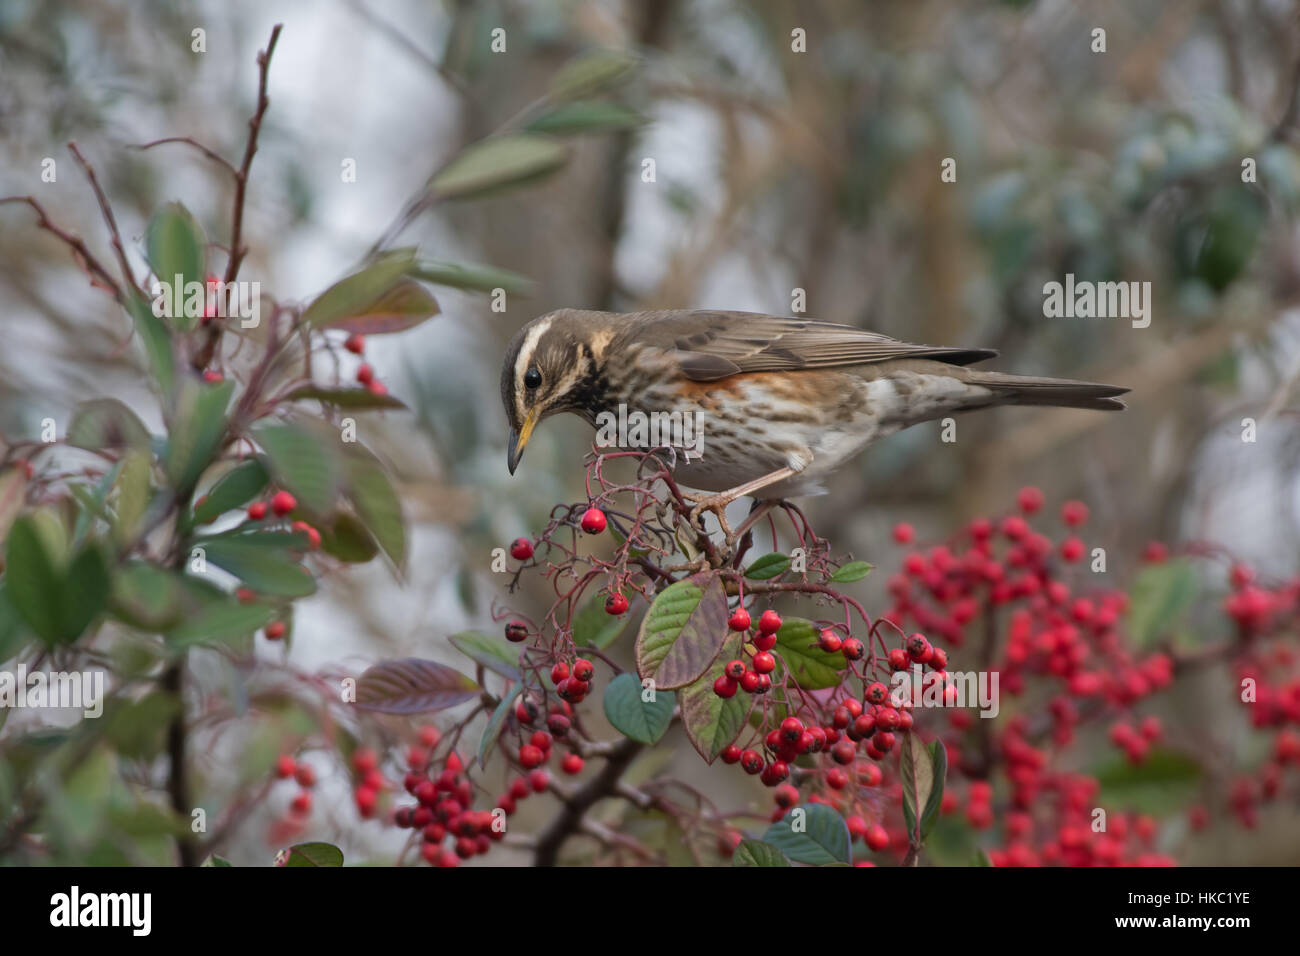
(109, 219)
(92, 265)
(569, 820)
(189, 141)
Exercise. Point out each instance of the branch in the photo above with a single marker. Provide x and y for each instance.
(189, 141)
(570, 818)
(109, 220)
(93, 267)
(238, 250)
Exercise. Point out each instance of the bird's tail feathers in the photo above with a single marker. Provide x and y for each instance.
(1058, 392)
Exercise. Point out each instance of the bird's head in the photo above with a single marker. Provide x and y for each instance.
(553, 365)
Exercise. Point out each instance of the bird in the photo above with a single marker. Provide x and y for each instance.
(782, 402)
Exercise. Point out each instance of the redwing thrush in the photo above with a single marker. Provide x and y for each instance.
(784, 401)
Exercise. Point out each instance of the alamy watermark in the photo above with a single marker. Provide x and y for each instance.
(1085, 299)
(79, 690)
(683, 431)
(949, 689)
(211, 299)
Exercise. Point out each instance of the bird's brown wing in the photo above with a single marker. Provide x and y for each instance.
(711, 345)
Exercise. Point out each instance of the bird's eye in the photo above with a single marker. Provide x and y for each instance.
(532, 378)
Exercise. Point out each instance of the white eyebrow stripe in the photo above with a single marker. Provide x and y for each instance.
(526, 354)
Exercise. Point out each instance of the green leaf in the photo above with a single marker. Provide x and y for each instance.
(496, 655)
(217, 861)
(921, 771)
(683, 631)
(58, 604)
(498, 720)
(304, 461)
(234, 489)
(498, 163)
(403, 306)
(353, 295)
(263, 567)
(981, 858)
(711, 722)
(808, 665)
(645, 722)
(591, 72)
(410, 685)
(310, 854)
(375, 502)
(196, 432)
(220, 622)
(587, 116)
(359, 399)
(477, 278)
(1160, 596)
(755, 853)
(767, 567)
(138, 728)
(157, 341)
(147, 597)
(1164, 780)
(346, 538)
(853, 571)
(134, 492)
(811, 833)
(594, 627)
(105, 424)
(13, 493)
(175, 246)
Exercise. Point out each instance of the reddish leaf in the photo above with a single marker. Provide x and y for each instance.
(410, 685)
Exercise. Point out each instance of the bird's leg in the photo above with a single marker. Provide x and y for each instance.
(718, 503)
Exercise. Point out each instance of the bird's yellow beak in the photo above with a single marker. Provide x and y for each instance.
(519, 440)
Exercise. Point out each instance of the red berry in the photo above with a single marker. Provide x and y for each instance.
(739, 620)
(212, 376)
(365, 374)
(730, 754)
(539, 780)
(749, 681)
(285, 767)
(764, 642)
(615, 604)
(377, 388)
(903, 533)
(365, 799)
(899, 659)
(257, 511)
(275, 630)
(313, 536)
(725, 687)
(558, 725)
(751, 762)
(301, 804)
(852, 649)
(531, 756)
(525, 711)
(764, 662)
(572, 690)
(571, 764)
(583, 670)
(836, 778)
(282, 503)
(918, 648)
(430, 736)
(877, 693)
(844, 752)
(521, 549)
(516, 632)
(829, 641)
(559, 672)
(305, 776)
(593, 521)
(1074, 513)
(1071, 549)
(770, 622)
(364, 760)
(735, 669)
(541, 739)
(938, 658)
(355, 343)
(877, 838)
(778, 771)
(1030, 499)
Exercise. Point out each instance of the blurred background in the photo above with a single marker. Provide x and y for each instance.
(774, 171)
